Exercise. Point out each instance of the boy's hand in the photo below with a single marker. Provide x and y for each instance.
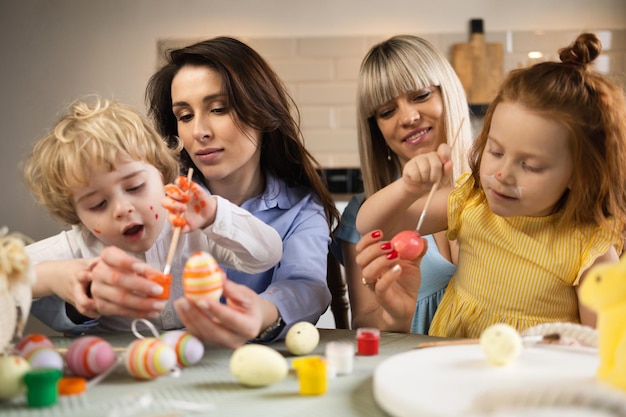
(424, 170)
(120, 286)
(189, 205)
(69, 279)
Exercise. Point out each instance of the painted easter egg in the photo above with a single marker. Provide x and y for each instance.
(501, 343)
(89, 356)
(256, 365)
(44, 357)
(12, 371)
(203, 277)
(189, 349)
(31, 342)
(302, 338)
(149, 358)
(409, 244)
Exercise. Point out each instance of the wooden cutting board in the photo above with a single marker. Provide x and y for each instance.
(478, 64)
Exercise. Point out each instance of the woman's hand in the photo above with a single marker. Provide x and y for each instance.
(189, 205)
(120, 286)
(231, 324)
(394, 282)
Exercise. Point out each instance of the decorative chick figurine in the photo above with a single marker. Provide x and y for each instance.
(16, 280)
(604, 291)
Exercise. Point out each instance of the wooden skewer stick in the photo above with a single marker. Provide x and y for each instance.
(176, 235)
(527, 340)
(436, 185)
(430, 197)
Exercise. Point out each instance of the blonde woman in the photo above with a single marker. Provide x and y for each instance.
(409, 101)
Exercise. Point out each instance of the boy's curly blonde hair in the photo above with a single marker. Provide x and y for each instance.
(92, 133)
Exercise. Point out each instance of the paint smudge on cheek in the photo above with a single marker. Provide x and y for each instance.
(511, 190)
(97, 231)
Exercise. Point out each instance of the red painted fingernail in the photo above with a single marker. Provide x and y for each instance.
(385, 246)
(376, 234)
(392, 255)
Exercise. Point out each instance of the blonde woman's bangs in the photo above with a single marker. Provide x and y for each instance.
(390, 76)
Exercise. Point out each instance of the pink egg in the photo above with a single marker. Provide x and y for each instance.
(149, 358)
(44, 357)
(189, 349)
(203, 277)
(32, 342)
(409, 244)
(89, 356)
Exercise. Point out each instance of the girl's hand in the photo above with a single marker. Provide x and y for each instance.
(231, 324)
(120, 286)
(394, 282)
(424, 170)
(189, 205)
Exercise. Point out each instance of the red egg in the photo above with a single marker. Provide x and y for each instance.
(409, 244)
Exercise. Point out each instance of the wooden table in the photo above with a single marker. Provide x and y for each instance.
(211, 385)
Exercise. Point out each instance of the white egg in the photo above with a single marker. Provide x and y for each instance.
(258, 365)
(302, 338)
(501, 343)
(12, 371)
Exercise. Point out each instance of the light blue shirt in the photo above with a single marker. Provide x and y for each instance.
(436, 270)
(297, 284)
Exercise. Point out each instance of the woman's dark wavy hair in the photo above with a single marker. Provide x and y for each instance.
(260, 100)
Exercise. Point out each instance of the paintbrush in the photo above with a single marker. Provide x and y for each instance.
(436, 185)
(176, 235)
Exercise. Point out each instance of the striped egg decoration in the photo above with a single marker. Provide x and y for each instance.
(44, 357)
(31, 342)
(89, 356)
(203, 277)
(149, 358)
(189, 349)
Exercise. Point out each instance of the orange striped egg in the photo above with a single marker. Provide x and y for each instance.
(32, 342)
(203, 277)
(149, 358)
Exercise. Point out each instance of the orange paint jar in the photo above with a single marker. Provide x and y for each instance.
(165, 281)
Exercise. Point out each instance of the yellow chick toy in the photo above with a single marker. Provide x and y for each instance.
(604, 291)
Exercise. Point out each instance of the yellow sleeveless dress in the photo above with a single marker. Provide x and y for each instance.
(522, 271)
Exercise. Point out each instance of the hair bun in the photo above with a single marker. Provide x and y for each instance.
(584, 50)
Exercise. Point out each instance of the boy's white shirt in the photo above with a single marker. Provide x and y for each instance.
(236, 239)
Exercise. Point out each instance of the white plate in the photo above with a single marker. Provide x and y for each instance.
(457, 381)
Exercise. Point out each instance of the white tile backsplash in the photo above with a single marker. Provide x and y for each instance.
(321, 75)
